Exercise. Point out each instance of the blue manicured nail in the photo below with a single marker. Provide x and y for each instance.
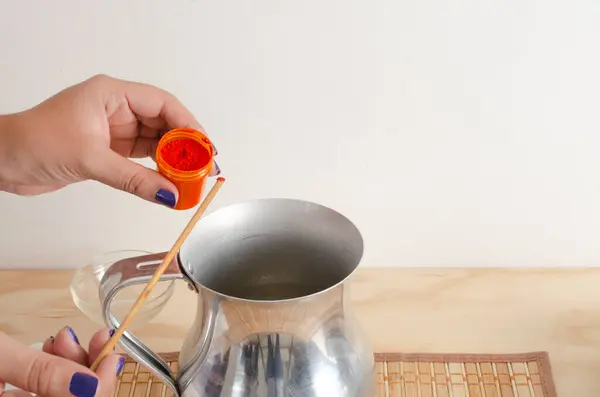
(83, 385)
(72, 334)
(165, 197)
(215, 149)
(120, 365)
(217, 169)
(111, 332)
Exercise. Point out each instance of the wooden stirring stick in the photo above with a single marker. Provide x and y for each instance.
(112, 342)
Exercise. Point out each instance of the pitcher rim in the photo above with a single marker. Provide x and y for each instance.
(200, 286)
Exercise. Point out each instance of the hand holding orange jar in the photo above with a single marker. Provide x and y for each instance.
(91, 131)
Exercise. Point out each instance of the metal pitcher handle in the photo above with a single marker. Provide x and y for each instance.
(127, 272)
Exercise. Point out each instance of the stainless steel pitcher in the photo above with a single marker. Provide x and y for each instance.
(273, 318)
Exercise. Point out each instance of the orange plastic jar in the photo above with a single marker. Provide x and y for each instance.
(190, 184)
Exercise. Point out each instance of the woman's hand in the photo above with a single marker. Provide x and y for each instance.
(62, 369)
(88, 131)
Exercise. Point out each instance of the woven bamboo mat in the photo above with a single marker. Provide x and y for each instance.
(412, 375)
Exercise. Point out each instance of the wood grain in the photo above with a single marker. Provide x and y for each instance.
(408, 310)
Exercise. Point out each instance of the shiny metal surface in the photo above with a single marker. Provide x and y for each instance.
(126, 272)
(272, 318)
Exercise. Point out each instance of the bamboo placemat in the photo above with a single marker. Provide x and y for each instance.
(411, 375)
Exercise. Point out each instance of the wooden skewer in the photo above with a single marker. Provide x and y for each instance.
(112, 342)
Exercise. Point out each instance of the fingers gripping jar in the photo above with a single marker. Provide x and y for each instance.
(185, 157)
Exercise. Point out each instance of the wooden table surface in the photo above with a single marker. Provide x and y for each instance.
(408, 310)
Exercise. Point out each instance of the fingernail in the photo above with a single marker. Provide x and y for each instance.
(215, 149)
(165, 197)
(73, 335)
(217, 169)
(83, 385)
(111, 332)
(120, 365)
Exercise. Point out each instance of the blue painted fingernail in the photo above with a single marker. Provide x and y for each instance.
(215, 149)
(217, 169)
(73, 335)
(120, 365)
(83, 385)
(165, 197)
(111, 332)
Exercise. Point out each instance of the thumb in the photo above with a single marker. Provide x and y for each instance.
(51, 376)
(112, 169)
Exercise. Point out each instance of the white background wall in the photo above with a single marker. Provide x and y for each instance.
(460, 132)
